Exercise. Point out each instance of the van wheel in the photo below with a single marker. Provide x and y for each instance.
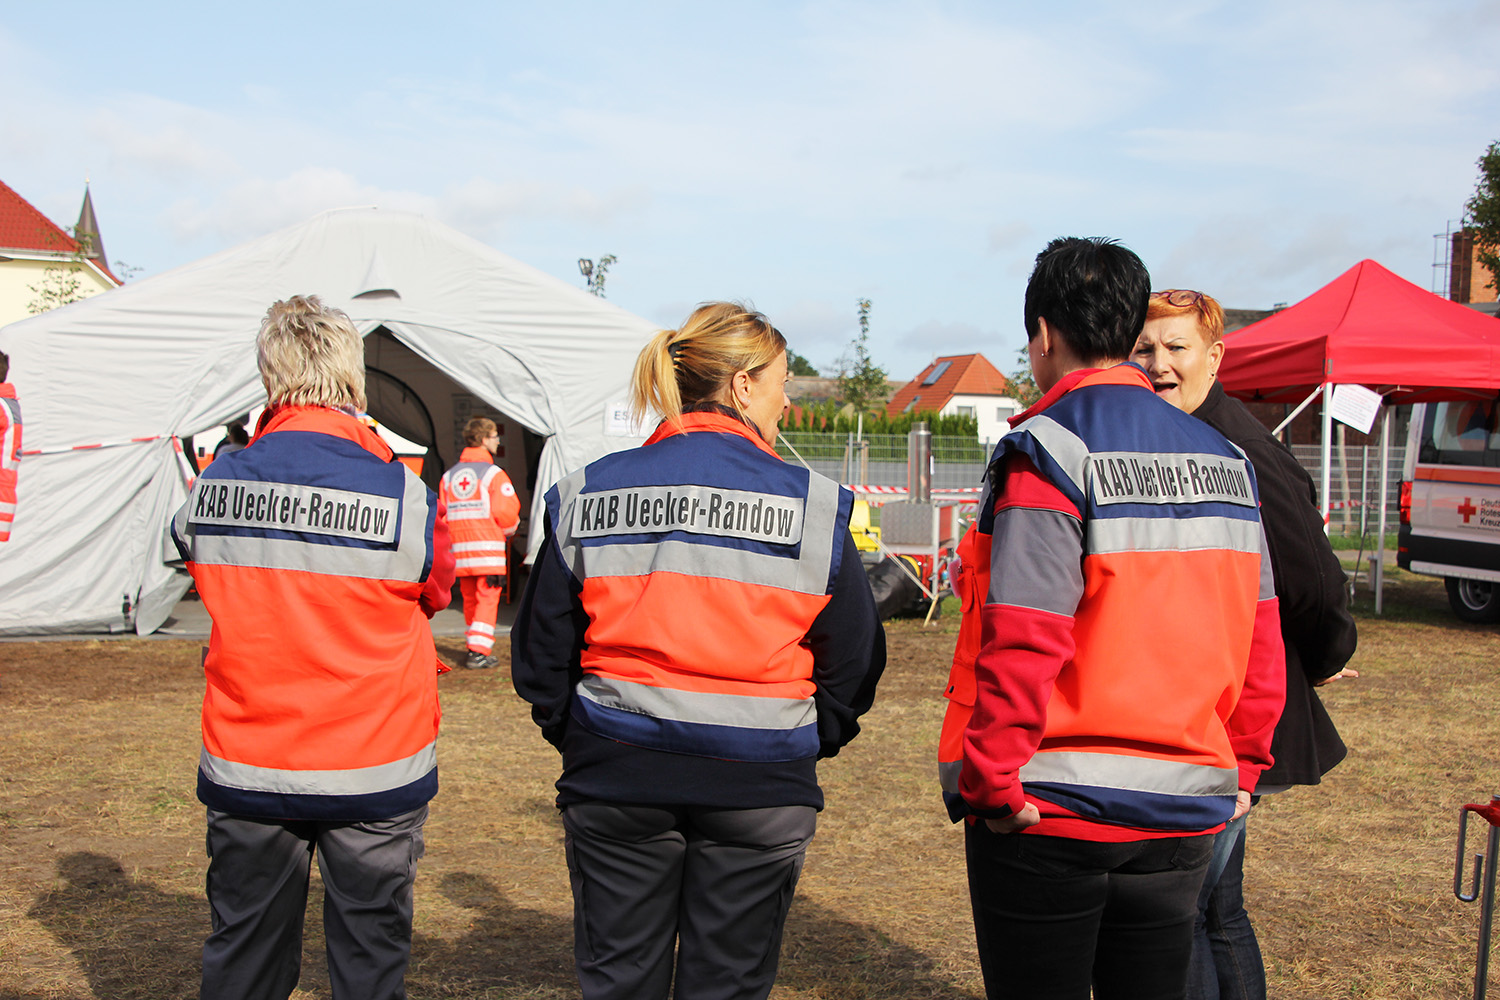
(1475, 601)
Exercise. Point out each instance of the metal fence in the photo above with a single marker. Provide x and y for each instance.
(1354, 483)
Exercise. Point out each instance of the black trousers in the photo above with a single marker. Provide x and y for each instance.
(1054, 917)
(712, 884)
(257, 890)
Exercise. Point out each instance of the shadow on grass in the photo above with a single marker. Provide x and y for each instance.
(131, 939)
(136, 942)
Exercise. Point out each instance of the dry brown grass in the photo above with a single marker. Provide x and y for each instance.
(101, 840)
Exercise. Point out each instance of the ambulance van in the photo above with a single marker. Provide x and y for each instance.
(1450, 503)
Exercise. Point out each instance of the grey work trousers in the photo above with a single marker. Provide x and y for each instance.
(257, 891)
(717, 883)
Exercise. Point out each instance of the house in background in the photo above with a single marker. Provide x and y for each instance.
(37, 256)
(960, 385)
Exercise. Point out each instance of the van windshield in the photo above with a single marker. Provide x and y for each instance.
(1461, 433)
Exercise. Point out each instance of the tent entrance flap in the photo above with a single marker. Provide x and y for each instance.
(427, 406)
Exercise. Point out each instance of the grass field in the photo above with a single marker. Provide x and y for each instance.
(1350, 883)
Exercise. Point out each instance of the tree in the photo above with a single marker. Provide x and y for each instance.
(798, 365)
(1023, 385)
(1482, 214)
(60, 283)
(594, 273)
(861, 381)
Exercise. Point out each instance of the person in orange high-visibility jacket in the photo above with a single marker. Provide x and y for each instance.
(10, 448)
(483, 512)
(320, 559)
(697, 631)
(1118, 706)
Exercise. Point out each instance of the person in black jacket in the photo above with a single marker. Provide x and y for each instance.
(1181, 348)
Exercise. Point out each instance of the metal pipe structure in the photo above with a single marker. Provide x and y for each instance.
(919, 463)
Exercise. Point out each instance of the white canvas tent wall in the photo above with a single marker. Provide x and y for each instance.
(174, 355)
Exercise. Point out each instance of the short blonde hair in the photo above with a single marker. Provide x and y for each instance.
(1210, 314)
(311, 355)
(696, 361)
(477, 429)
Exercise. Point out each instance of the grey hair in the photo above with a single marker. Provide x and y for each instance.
(311, 355)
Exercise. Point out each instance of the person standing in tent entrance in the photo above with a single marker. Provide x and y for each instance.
(483, 513)
(696, 633)
(10, 448)
(320, 558)
(1092, 749)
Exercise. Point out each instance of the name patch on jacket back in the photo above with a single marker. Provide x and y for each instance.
(316, 509)
(702, 510)
(1133, 477)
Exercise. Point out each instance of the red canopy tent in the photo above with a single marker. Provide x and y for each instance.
(1366, 327)
(1372, 328)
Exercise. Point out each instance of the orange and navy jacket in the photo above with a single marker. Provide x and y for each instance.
(1127, 671)
(10, 456)
(697, 605)
(483, 512)
(320, 559)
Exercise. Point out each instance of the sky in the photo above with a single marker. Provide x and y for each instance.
(796, 155)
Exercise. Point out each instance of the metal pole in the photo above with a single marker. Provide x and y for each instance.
(1385, 472)
(919, 463)
(1327, 454)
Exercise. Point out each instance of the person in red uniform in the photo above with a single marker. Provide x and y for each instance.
(1093, 759)
(10, 448)
(320, 559)
(483, 513)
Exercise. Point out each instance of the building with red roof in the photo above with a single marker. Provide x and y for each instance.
(37, 256)
(961, 385)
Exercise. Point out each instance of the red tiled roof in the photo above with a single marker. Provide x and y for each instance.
(22, 227)
(966, 375)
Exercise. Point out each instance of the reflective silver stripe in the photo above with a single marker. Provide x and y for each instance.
(1169, 478)
(315, 510)
(808, 573)
(7, 508)
(9, 456)
(1066, 448)
(468, 510)
(484, 627)
(1139, 774)
(478, 546)
(699, 510)
(1166, 534)
(948, 772)
(1267, 577)
(334, 560)
(741, 711)
(469, 562)
(353, 781)
(1048, 544)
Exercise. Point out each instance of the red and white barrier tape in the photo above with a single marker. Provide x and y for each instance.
(64, 449)
(951, 494)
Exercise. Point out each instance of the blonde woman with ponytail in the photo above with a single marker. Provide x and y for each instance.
(696, 634)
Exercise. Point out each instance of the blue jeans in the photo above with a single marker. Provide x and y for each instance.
(1226, 961)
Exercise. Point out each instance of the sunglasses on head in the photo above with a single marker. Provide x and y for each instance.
(1180, 297)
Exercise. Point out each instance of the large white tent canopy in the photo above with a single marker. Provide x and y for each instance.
(109, 384)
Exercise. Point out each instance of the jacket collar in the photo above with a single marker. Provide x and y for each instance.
(716, 422)
(322, 420)
(1124, 373)
(7, 390)
(477, 453)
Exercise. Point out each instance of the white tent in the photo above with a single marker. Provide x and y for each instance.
(109, 384)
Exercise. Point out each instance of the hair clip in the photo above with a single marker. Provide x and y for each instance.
(674, 350)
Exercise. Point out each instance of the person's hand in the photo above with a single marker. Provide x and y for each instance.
(1028, 816)
(1346, 672)
(1241, 804)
